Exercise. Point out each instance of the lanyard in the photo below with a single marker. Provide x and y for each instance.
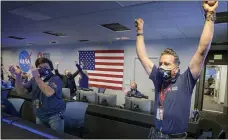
(163, 94)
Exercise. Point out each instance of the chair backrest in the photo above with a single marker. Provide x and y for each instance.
(27, 112)
(66, 93)
(206, 124)
(17, 103)
(74, 117)
(101, 90)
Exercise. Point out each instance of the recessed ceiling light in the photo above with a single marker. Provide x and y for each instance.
(122, 38)
(29, 44)
(53, 42)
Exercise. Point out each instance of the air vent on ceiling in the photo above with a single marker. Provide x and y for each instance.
(83, 40)
(219, 43)
(116, 27)
(15, 37)
(54, 33)
(221, 17)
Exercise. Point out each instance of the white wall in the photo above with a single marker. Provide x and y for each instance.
(223, 83)
(67, 54)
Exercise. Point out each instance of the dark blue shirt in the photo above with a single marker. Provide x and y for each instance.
(176, 104)
(84, 81)
(48, 106)
(71, 85)
(135, 93)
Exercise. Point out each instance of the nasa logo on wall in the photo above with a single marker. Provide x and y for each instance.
(25, 60)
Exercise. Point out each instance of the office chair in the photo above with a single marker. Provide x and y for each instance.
(212, 127)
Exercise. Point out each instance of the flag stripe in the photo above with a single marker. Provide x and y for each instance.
(111, 70)
(107, 81)
(107, 63)
(106, 78)
(107, 60)
(105, 75)
(109, 54)
(110, 57)
(109, 67)
(104, 83)
(105, 72)
(109, 51)
(104, 86)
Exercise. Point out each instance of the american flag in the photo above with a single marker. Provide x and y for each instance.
(104, 68)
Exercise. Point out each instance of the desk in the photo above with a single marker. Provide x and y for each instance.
(12, 132)
(113, 123)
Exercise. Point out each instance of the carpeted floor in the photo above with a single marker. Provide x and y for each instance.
(210, 104)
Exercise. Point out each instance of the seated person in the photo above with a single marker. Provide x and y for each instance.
(24, 77)
(68, 79)
(83, 78)
(8, 108)
(12, 79)
(134, 92)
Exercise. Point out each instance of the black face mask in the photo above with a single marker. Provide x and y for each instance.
(167, 74)
(69, 75)
(45, 72)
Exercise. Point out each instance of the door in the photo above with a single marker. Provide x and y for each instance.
(145, 85)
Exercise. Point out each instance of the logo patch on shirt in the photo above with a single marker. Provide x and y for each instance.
(174, 88)
(53, 85)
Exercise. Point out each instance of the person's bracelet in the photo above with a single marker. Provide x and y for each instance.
(210, 16)
(139, 34)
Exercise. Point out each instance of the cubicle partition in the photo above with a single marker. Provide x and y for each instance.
(113, 123)
(96, 121)
(21, 128)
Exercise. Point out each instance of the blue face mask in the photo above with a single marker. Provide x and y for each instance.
(44, 72)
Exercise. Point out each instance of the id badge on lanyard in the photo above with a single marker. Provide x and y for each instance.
(160, 109)
(160, 113)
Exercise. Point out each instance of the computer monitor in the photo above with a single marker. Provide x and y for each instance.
(86, 96)
(106, 99)
(138, 104)
(101, 90)
(128, 102)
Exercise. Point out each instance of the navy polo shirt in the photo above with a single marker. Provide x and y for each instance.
(71, 84)
(49, 106)
(176, 104)
(84, 81)
(136, 93)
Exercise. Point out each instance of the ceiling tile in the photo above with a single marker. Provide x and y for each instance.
(170, 33)
(192, 31)
(223, 6)
(10, 5)
(69, 8)
(130, 3)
